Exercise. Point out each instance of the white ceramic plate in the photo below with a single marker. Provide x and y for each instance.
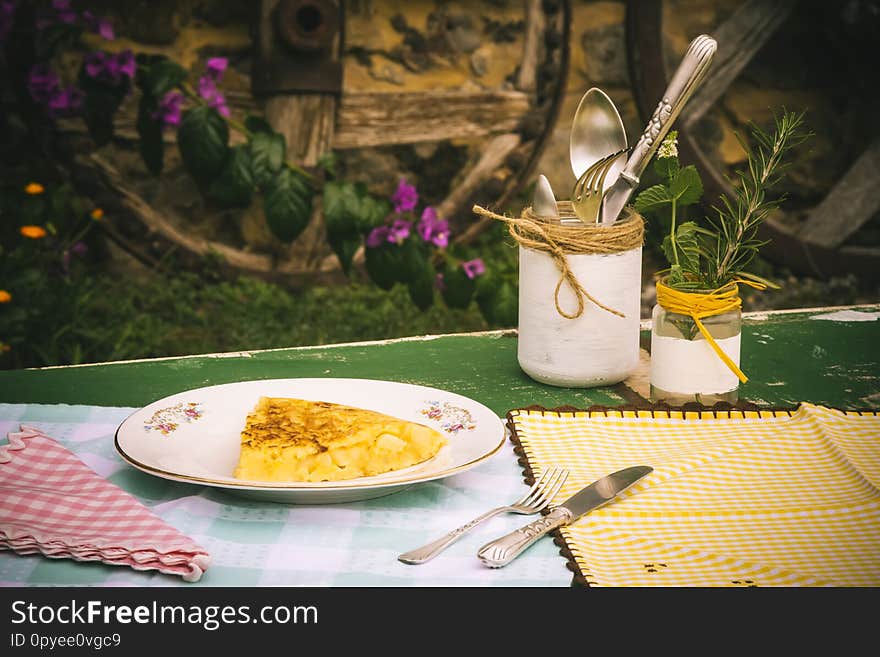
(194, 436)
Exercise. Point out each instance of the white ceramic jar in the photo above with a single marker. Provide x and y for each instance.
(594, 349)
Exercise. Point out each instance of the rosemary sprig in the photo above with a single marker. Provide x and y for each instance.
(735, 240)
(711, 253)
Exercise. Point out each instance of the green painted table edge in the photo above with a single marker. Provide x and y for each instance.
(789, 356)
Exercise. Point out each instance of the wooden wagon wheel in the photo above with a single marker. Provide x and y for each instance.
(812, 243)
(513, 121)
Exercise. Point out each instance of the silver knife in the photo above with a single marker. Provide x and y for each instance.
(687, 78)
(502, 551)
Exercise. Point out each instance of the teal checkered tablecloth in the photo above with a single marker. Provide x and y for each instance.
(352, 544)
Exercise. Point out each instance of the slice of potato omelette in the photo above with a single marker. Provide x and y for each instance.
(300, 440)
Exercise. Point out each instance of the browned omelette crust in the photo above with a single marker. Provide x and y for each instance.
(301, 440)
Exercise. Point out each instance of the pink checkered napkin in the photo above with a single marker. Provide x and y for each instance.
(52, 503)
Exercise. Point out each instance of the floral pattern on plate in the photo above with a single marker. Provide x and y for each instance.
(167, 420)
(452, 418)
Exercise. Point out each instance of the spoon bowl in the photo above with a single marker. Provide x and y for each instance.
(596, 132)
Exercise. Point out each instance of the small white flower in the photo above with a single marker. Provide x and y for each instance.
(669, 146)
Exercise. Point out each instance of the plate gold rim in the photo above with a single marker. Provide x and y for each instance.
(302, 487)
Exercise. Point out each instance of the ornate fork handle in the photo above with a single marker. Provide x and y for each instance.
(502, 551)
(432, 549)
(689, 74)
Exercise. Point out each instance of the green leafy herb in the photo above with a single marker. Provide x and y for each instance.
(716, 252)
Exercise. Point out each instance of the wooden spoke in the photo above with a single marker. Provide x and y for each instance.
(852, 202)
(739, 39)
(817, 248)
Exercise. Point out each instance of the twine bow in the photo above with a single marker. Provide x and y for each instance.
(557, 240)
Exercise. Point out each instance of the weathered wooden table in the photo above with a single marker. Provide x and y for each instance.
(826, 356)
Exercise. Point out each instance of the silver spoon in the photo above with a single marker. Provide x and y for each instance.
(596, 131)
(544, 201)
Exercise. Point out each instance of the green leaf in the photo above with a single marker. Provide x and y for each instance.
(687, 248)
(382, 264)
(341, 205)
(288, 205)
(758, 279)
(202, 140)
(151, 144)
(101, 102)
(421, 287)
(686, 187)
(413, 260)
(652, 199)
(98, 114)
(234, 186)
(675, 276)
(163, 76)
(498, 300)
(329, 162)
(350, 207)
(267, 155)
(372, 213)
(257, 124)
(666, 167)
(458, 288)
(344, 246)
(100, 105)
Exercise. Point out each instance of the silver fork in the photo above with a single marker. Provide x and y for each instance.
(586, 197)
(536, 499)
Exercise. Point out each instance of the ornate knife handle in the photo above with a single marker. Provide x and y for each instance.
(687, 77)
(502, 551)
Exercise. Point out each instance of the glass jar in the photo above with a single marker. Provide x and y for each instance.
(685, 367)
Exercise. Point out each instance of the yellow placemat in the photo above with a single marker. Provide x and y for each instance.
(736, 498)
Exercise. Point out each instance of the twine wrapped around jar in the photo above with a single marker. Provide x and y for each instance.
(579, 297)
(558, 240)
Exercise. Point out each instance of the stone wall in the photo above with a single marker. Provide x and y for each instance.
(431, 44)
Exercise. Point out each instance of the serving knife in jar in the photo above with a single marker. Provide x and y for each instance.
(502, 551)
(690, 73)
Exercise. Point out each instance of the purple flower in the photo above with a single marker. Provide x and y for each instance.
(207, 87)
(215, 67)
(208, 91)
(126, 64)
(45, 88)
(95, 62)
(440, 282)
(100, 26)
(378, 236)
(218, 102)
(65, 102)
(42, 83)
(473, 268)
(63, 11)
(109, 68)
(405, 197)
(79, 249)
(169, 110)
(7, 17)
(433, 229)
(399, 231)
